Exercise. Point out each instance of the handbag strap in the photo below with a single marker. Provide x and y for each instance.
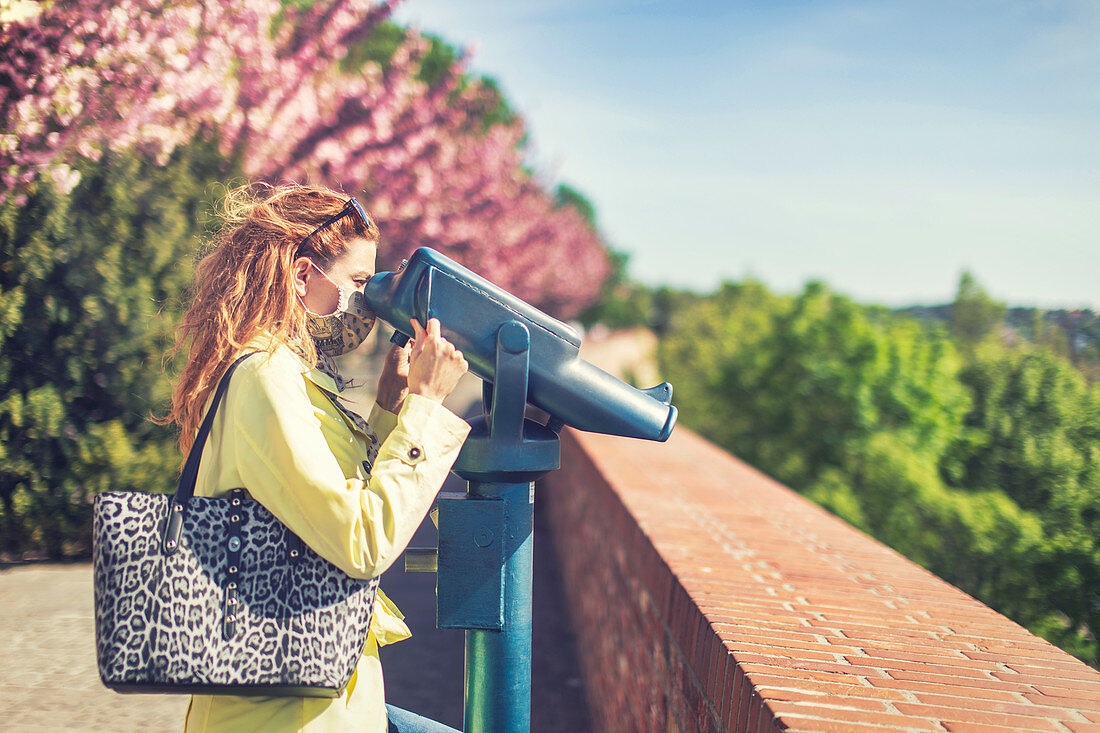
(185, 489)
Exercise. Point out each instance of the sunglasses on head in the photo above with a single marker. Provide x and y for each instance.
(351, 208)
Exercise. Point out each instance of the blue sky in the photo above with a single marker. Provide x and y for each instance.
(882, 147)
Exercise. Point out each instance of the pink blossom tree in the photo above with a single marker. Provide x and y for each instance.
(265, 77)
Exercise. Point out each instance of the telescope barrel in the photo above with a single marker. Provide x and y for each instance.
(471, 310)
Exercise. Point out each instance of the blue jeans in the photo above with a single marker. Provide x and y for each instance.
(402, 721)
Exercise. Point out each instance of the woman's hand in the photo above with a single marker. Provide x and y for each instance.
(435, 365)
(393, 384)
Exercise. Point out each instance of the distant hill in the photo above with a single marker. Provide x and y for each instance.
(1074, 333)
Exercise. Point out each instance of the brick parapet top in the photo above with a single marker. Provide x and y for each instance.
(828, 627)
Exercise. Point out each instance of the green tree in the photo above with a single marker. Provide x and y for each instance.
(624, 303)
(839, 377)
(568, 196)
(89, 283)
(793, 385)
(974, 315)
(717, 351)
(437, 60)
(980, 541)
(1033, 433)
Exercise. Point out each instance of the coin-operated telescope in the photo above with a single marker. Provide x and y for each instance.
(483, 562)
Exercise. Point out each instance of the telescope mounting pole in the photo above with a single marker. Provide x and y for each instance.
(501, 460)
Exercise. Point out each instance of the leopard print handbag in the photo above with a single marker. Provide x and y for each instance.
(216, 596)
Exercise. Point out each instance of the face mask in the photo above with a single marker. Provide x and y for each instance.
(346, 328)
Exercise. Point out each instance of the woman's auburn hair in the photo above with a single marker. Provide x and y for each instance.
(243, 284)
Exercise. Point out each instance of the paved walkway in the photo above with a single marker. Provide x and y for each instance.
(48, 678)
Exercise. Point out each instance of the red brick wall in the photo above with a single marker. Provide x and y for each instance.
(707, 597)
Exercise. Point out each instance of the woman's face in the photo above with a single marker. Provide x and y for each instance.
(350, 271)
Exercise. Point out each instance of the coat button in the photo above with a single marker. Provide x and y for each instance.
(414, 452)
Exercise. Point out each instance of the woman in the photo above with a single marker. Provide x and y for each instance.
(285, 279)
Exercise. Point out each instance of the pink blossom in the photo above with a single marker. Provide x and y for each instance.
(78, 78)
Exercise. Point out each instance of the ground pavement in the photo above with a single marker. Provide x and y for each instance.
(48, 678)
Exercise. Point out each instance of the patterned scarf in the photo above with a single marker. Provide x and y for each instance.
(326, 365)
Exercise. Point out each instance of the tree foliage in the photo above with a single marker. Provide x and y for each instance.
(810, 378)
(974, 314)
(1034, 435)
(88, 284)
(977, 460)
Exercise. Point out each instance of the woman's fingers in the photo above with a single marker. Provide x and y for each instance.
(433, 334)
(399, 358)
(393, 382)
(433, 329)
(435, 364)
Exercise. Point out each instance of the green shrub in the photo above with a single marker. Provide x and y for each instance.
(90, 283)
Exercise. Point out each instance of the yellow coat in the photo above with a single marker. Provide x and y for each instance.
(278, 435)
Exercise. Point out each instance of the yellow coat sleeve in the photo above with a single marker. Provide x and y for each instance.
(382, 421)
(286, 465)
